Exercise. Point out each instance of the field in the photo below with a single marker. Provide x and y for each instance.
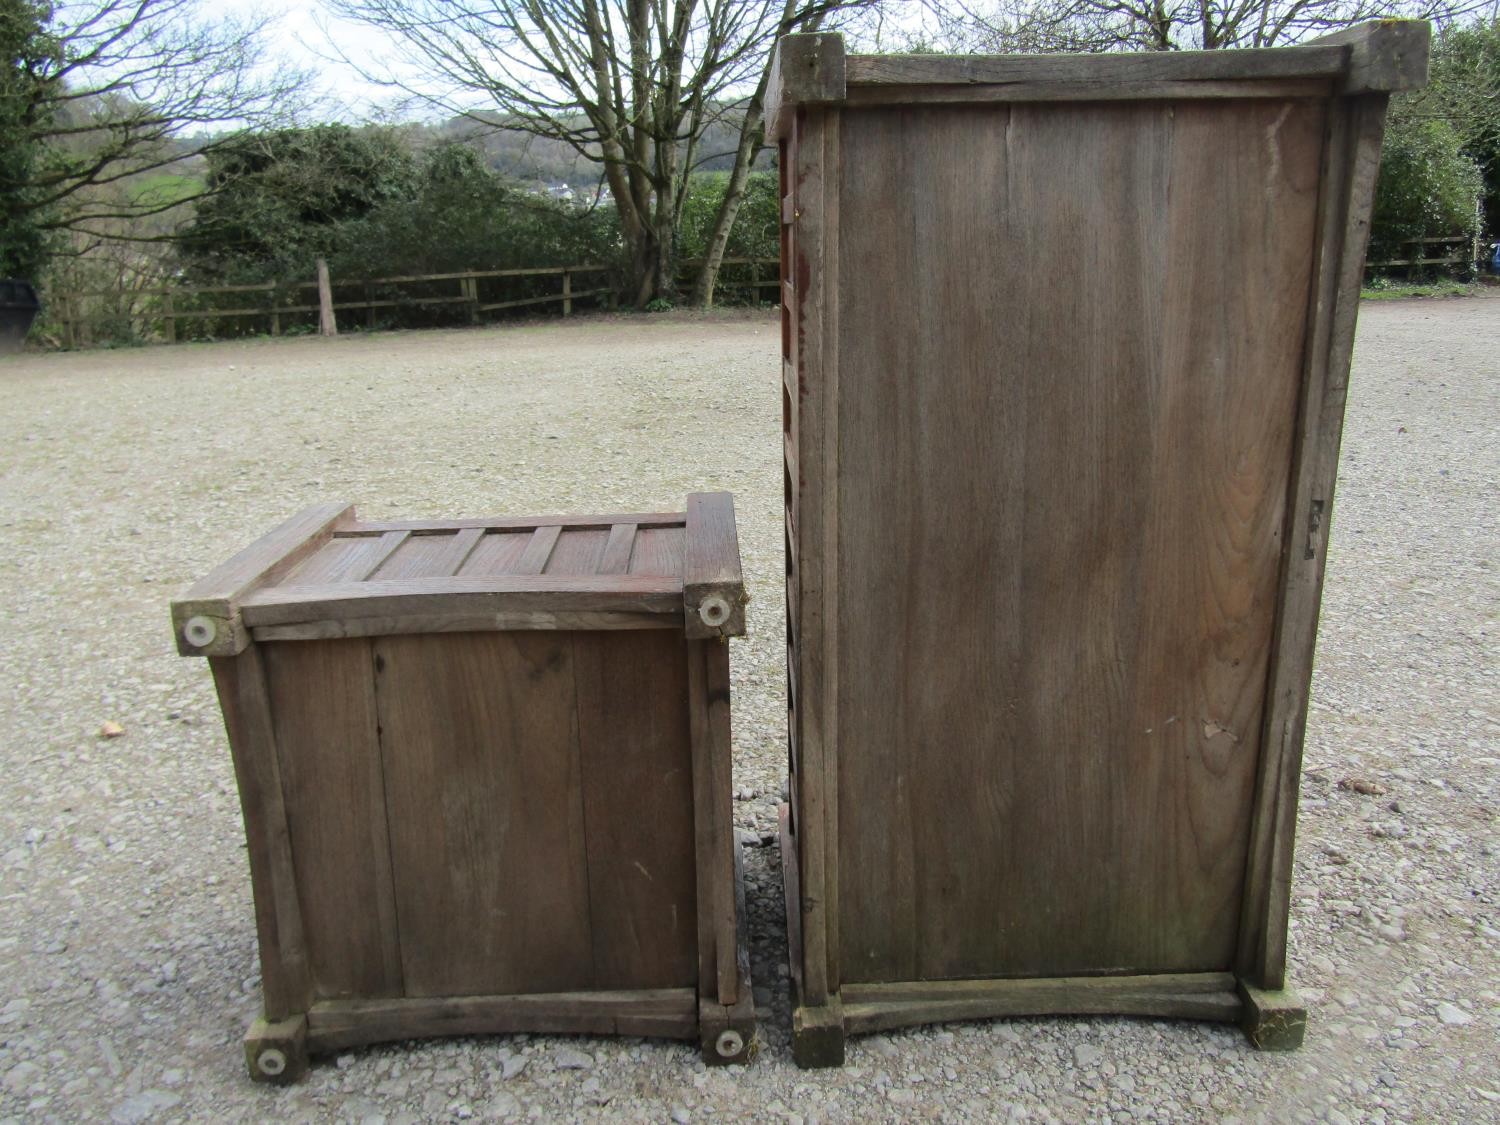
(127, 958)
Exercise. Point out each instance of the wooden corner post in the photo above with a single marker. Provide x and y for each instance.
(1384, 56)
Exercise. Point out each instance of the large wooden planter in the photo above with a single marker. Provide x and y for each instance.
(1066, 342)
(485, 773)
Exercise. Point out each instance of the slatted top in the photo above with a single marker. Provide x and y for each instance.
(649, 545)
(325, 573)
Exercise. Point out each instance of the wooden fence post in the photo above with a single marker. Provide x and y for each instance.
(326, 324)
(469, 287)
(567, 293)
(169, 317)
(275, 305)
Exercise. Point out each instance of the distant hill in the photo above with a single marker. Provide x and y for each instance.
(552, 163)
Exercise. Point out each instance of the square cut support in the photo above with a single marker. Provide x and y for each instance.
(485, 772)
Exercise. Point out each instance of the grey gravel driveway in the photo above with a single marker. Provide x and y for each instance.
(127, 959)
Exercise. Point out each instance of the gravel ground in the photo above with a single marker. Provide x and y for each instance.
(127, 960)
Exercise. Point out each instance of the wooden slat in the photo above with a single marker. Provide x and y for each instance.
(668, 1013)
(464, 543)
(496, 554)
(481, 621)
(543, 300)
(658, 551)
(604, 523)
(464, 596)
(713, 588)
(878, 1007)
(815, 270)
(328, 756)
(390, 542)
(425, 556)
(577, 552)
(534, 559)
(616, 557)
(1350, 165)
(636, 772)
(286, 977)
(215, 596)
(1327, 61)
(479, 741)
(1085, 91)
(713, 817)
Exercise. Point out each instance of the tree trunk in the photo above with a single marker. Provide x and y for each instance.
(752, 137)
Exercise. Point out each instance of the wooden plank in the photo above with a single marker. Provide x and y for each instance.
(328, 755)
(480, 745)
(340, 559)
(534, 559)
(497, 553)
(464, 596)
(616, 557)
(430, 556)
(805, 69)
(1350, 165)
(1085, 90)
(214, 597)
(286, 978)
(879, 1007)
(547, 299)
(462, 622)
(791, 892)
(577, 552)
(824, 489)
(389, 543)
(1327, 61)
(604, 523)
(814, 272)
(667, 1012)
(658, 552)
(1385, 56)
(713, 817)
(637, 778)
(713, 589)
(1092, 714)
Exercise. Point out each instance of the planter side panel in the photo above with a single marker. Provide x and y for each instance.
(1064, 460)
(479, 739)
(328, 754)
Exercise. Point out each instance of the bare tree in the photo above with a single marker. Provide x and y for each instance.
(1163, 25)
(106, 92)
(631, 85)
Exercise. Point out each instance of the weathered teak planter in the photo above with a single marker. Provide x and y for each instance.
(1066, 343)
(485, 772)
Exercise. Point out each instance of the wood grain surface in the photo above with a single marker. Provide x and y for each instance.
(1063, 465)
(328, 752)
(479, 739)
(637, 775)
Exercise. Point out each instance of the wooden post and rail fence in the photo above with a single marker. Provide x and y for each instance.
(1459, 250)
(160, 309)
(282, 299)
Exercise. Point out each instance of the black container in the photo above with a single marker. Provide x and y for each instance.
(18, 308)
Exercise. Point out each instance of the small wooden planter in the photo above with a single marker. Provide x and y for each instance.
(1066, 341)
(485, 773)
